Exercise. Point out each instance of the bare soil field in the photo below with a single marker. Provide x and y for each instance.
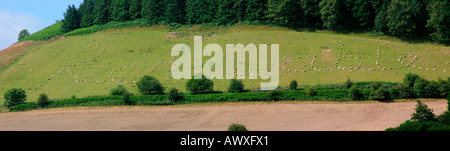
(279, 116)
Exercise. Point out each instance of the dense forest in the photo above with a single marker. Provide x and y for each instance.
(410, 19)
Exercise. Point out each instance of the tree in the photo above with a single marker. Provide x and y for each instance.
(410, 79)
(404, 17)
(43, 100)
(197, 86)
(174, 95)
(311, 11)
(101, 11)
(86, 11)
(255, 10)
(380, 8)
(175, 11)
(438, 19)
(135, 9)
(237, 127)
(120, 10)
(329, 9)
(149, 85)
(285, 11)
(362, 12)
(236, 86)
(14, 96)
(153, 10)
(448, 103)
(431, 90)
(419, 86)
(224, 13)
(72, 19)
(24, 33)
(293, 85)
(402, 91)
(423, 113)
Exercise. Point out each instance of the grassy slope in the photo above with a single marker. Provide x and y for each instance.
(132, 46)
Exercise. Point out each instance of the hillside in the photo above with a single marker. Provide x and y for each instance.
(89, 65)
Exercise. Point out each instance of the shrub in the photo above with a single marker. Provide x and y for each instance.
(444, 118)
(444, 87)
(293, 85)
(377, 92)
(356, 93)
(149, 85)
(174, 95)
(431, 90)
(410, 79)
(423, 113)
(402, 91)
(119, 90)
(381, 94)
(197, 86)
(310, 91)
(126, 98)
(406, 126)
(14, 96)
(236, 86)
(237, 127)
(448, 101)
(273, 95)
(348, 84)
(43, 100)
(419, 86)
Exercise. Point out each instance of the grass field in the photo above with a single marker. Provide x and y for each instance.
(92, 64)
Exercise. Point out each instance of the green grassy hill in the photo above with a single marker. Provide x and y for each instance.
(87, 65)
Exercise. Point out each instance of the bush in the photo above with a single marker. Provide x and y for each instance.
(406, 126)
(14, 96)
(310, 91)
(237, 127)
(431, 90)
(419, 86)
(126, 98)
(198, 86)
(273, 95)
(402, 91)
(448, 101)
(410, 79)
(377, 92)
(293, 85)
(119, 90)
(236, 86)
(356, 93)
(174, 95)
(444, 118)
(149, 85)
(43, 100)
(423, 113)
(348, 84)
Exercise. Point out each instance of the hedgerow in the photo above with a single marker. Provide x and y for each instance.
(146, 100)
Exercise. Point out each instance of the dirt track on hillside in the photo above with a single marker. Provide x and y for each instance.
(256, 116)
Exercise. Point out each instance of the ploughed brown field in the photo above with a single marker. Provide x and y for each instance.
(279, 116)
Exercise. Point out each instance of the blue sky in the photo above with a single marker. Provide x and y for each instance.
(33, 15)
